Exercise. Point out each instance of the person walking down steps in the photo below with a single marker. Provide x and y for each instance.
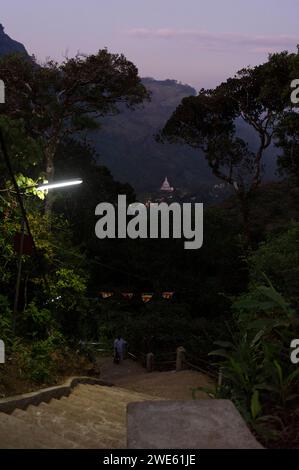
(119, 349)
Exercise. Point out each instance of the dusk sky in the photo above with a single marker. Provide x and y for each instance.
(199, 42)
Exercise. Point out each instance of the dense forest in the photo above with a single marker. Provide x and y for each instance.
(235, 302)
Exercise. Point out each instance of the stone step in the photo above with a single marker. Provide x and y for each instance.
(112, 393)
(18, 434)
(103, 425)
(103, 396)
(113, 422)
(84, 407)
(104, 404)
(92, 416)
(109, 408)
(62, 426)
(104, 410)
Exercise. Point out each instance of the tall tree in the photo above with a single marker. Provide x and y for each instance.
(257, 96)
(57, 100)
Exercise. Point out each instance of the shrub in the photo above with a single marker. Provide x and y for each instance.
(5, 321)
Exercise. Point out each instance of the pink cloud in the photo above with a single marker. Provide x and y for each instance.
(207, 40)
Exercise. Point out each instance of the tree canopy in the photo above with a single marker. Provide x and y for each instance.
(58, 100)
(260, 97)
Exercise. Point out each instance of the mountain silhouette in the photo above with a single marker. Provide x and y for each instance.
(8, 45)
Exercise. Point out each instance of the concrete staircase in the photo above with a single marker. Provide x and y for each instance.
(92, 417)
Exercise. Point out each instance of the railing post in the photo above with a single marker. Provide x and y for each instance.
(180, 358)
(150, 362)
(2, 352)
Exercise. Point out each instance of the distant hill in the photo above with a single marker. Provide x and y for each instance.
(126, 144)
(8, 45)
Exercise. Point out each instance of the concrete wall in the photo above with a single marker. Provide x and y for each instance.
(197, 424)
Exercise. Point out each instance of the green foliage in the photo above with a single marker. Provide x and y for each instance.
(28, 186)
(37, 359)
(278, 259)
(5, 320)
(39, 322)
(24, 151)
(255, 405)
(258, 374)
(68, 279)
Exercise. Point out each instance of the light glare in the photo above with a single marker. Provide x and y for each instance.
(62, 184)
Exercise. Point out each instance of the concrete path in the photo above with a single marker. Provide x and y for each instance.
(114, 372)
(170, 385)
